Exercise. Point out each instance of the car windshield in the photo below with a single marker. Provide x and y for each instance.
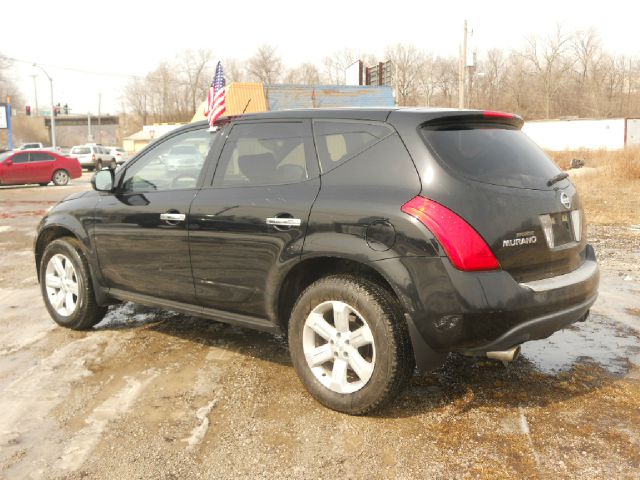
(80, 150)
(121, 150)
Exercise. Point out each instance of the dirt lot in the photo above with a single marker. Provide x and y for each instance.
(150, 394)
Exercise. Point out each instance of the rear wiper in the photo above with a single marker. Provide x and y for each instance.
(557, 178)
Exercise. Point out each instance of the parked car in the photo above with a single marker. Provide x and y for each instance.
(31, 146)
(119, 153)
(93, 157)
(377, 239)
(33, 166)
(183, 156)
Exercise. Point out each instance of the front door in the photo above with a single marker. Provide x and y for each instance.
(141, 230)
(16, 172)
(251, 222)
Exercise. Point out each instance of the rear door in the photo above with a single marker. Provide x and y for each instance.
(252, 221)
(532, 223)
(40, 167)
(141, 230)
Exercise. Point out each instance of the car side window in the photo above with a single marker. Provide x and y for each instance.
(273, 153)
(40, 157)
(339, 141)
(20, 158)
(175, 163)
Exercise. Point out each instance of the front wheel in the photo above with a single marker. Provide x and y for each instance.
(66, 286)
(60, 177)
(349, 344)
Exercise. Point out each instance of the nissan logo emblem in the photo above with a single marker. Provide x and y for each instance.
(565, 200)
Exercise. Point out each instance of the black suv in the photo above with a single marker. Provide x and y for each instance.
(378, 239)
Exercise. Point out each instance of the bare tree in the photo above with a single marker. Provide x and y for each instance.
(235, 70)
(407, 62)
(8, 86)
(194, 65)
(550, 63)
(335, 65)
(305, 74)
(265, 66)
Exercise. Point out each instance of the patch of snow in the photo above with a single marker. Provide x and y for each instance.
(85, 441)
(198, 433)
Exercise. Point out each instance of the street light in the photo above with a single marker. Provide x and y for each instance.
(53, 119)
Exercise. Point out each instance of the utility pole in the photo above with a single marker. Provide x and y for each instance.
(35, 91)
(53, 116)
(462, 68)
(89, 136)
(99, 120)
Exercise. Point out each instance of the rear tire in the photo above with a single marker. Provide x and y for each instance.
(65, 283)
(99, 165)
(60, 177)
(362, 362)
(113, 164)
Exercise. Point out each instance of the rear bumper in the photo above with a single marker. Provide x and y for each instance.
(476, 312)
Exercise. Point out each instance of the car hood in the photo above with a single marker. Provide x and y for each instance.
(73, 196)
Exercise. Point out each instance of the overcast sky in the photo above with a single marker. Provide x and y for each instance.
(116, 39)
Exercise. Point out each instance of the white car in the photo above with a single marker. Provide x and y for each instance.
(120, 154)
(183, 157)
(93, 157)
(31, 146)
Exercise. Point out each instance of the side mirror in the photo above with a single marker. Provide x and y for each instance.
(103, 180)
(8, 162)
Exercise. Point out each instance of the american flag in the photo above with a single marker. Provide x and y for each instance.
(216, 97)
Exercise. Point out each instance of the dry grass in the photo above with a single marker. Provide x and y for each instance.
(609, 185)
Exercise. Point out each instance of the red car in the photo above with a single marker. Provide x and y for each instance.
(37, 166)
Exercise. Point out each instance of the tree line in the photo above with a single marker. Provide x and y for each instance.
(563, 74)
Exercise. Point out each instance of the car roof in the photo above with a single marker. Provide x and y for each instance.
(352, 113)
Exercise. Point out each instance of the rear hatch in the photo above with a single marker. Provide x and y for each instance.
(83, 154)
(511, 193)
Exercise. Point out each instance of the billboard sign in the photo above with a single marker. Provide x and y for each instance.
(3, 117)
(353, 74)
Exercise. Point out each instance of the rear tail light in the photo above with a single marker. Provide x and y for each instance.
(465, 248)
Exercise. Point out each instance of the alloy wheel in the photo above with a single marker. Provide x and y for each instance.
(60, 177)
(339, 347)
(61, 282)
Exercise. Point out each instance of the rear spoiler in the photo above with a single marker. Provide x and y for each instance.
(476, 116)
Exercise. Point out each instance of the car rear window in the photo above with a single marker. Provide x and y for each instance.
(495, 154)
(80, 150)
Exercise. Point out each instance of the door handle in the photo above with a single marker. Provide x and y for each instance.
(173, 217)
(284, 221)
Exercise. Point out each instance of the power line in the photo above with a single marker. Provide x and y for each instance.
(74, 69)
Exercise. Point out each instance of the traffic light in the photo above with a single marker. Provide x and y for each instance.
(56, 110)
(66, 109)
(28, 110)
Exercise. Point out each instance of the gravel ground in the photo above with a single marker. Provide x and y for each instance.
(159, 395)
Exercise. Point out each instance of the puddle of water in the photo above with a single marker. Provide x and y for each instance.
(599, 339)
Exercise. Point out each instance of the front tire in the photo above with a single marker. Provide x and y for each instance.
(349, 344)
(66, 286)
(60, 177)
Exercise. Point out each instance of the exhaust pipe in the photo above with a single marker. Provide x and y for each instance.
(505, 355)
